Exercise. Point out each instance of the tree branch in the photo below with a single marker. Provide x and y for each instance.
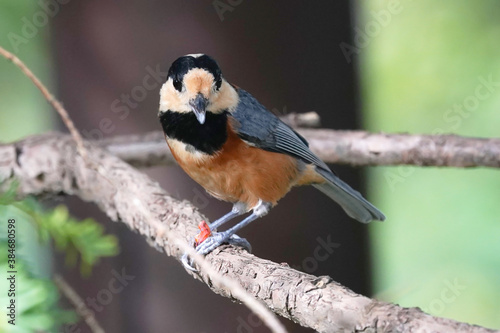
(343, 147)
(308, 119)
(49, 164)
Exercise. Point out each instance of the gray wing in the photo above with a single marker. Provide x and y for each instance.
(262, 129)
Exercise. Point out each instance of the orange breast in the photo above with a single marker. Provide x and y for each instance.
(242, 173)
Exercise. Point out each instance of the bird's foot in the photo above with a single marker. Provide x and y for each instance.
(212, 242)
(219, 238)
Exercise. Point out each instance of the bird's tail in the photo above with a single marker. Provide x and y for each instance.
(349, 199)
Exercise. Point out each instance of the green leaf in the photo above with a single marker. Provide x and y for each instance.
(37, 299)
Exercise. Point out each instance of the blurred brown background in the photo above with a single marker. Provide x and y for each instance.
(286, 54)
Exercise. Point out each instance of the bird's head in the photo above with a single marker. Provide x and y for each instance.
(195, 84)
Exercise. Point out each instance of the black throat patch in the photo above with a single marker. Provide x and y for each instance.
(183, 126)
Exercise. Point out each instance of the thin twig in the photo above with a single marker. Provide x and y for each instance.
(78, 303)
(50, 98)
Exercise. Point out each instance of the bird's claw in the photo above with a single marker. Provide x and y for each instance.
(219, 238)
(211, 243)
(188, 263)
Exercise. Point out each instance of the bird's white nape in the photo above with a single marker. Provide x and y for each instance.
(195, 55)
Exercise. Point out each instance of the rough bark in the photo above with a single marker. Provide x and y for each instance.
(344, 147)
(49, 164)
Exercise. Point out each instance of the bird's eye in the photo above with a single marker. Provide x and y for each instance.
(178, 85)
(218, 83)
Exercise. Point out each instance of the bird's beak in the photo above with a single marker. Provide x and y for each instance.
(199, 105)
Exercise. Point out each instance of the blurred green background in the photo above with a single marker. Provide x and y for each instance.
(24, 112)
(421, 65)
(422, 71)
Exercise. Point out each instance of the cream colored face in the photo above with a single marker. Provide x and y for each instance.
(198, 81)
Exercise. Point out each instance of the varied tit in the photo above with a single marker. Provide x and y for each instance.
(239, 151)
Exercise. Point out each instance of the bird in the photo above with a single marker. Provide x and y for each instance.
(240, 152)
